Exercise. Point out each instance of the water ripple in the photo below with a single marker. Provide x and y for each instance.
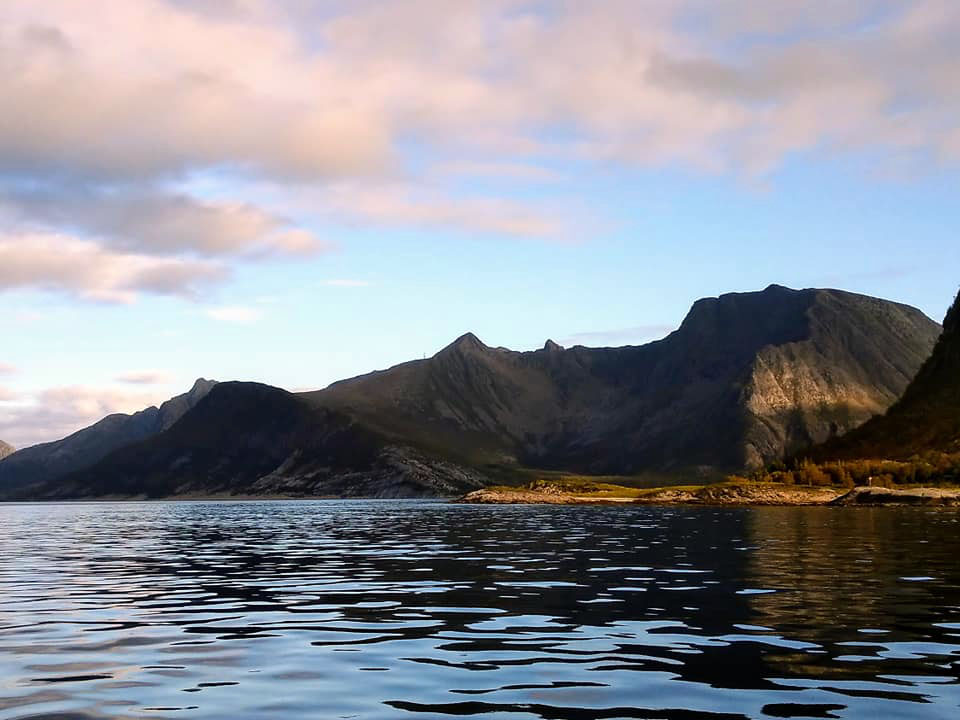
(383, 609)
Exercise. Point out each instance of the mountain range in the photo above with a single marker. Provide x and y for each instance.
(746, 379)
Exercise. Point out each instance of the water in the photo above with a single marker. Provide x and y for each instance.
(386, 609)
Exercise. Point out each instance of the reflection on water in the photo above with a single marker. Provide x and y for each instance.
(381, 609)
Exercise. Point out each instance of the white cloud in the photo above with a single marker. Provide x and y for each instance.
(145, 377)
(7, 395)
(114, 110)
(162, 223)
(84, 269)
(236, 314)
(6, 369)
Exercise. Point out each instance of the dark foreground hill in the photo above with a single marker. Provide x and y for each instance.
(925, 420)
(252, 439)
(747, 378)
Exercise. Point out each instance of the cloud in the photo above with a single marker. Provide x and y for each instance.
(425, 207)
(57, 412)
(84, 269)
(236, 314)
(332, 91)
(7, 395)
(159, 222)
(622, 336)
(347, 283)
(501, 170)
(115, 119)
(6, 369)
(145, 377)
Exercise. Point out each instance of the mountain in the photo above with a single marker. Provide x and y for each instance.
(247, 438)
(747, 378)
(927, 417)
(48, 461)
(6, 450)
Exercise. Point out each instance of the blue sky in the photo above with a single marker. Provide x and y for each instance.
(357, 202)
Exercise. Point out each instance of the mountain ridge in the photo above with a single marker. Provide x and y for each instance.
(47, 461)
(747, 378)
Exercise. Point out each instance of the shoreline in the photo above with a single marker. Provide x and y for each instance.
(737, 495)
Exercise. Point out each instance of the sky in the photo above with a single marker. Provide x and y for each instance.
(295, 192)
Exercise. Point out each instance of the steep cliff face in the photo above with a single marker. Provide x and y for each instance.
(926, 418)
(47, 461)
(857, 357)
(5, 450)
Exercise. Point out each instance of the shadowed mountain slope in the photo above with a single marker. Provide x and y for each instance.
(51, 460)
(925, 419)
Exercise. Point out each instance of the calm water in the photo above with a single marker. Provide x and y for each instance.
(414, 609)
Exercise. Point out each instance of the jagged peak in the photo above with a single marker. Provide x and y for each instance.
(551, 346)
(777, 288)
(467, 341)
(202, 385)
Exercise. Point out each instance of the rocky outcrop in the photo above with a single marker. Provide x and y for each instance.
(718, 494)
(5, 449)
(890, 496)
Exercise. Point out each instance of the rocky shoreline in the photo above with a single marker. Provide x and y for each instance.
(759, 494)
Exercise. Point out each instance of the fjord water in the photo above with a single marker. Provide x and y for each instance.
(392, 609)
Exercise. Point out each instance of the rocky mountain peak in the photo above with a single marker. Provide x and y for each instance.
(201, 387)
(465, 343)
(551, 346)
(6, 449)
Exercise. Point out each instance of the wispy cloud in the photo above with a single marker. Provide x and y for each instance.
(145, 377)
(84, 269)
(6, 369)
(236, 314)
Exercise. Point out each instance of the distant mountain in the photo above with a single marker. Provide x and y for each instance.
(6, 450)
(925, 419)
(48, 461)
(746, 379)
